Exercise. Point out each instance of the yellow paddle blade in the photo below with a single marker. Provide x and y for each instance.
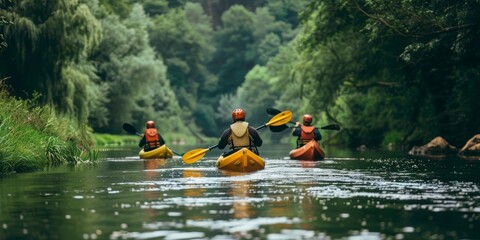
(280, 119)
(194, 155)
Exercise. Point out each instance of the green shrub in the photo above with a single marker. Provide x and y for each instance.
(33, 137)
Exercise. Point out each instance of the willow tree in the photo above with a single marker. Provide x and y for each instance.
(48, 44)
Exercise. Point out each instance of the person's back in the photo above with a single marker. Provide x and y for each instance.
(240, 135)
(306, 132)
(151, 138)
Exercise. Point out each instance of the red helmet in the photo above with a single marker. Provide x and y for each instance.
(150, 124)
(307, 119)
(238, 114)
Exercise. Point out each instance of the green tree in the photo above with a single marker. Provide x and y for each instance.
(135, 79)
(48, 41)
(215, 8)
(120, 8)
(273, 85)
(236, 54)
(410, 65)
(184, 39)
(154, 7)
(269, 35)
(171, 35)
(287, 11)
(286, 86)
(247, 39)
(256, 93)
(3, 22)
(226, 104)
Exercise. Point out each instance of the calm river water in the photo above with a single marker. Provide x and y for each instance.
(350, 195)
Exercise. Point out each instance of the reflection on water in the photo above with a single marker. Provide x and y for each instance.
(370, 195)
(240, 194)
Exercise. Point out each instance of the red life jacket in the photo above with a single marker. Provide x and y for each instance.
(151, 137)
(307, 132)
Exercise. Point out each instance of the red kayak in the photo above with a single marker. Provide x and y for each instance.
(309, 151)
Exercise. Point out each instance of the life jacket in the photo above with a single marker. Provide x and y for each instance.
(240, 136)
(152, 140)
(306, 134)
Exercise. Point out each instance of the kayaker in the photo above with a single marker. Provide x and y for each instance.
(240, 135)
(151, 138)
(306, 132)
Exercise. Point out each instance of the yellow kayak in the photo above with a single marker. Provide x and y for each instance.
(242, 160)
(161, 152)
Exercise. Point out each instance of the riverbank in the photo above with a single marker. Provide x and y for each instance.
(112, 140)
(32, 137)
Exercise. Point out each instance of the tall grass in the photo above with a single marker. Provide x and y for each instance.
(32, 137)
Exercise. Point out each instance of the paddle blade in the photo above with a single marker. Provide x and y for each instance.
(194, 155)
(178, 154)
(331, 127)
(278, 128)
(129, 128)
(280, 119)
(273, 111)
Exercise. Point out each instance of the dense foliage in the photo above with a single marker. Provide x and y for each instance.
(395, 68)
(3, 21)
(390, 72)
(32, 137)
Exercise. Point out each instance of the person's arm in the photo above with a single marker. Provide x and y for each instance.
(257, 140)
(317, 135)
(142, 141)
(161, 140)
(224, 139)
(296, 131)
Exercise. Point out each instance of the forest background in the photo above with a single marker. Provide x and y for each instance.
(389, 72)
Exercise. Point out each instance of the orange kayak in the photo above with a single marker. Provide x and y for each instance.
(242, 160)
(310, 151)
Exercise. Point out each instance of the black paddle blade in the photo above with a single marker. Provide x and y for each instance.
(331, 127)
(278, 128)
(129, 128)
(273, 111)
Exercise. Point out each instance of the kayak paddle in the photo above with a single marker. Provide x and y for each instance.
(278, 128)
(273, 111)
(331, 127)
(194, 155)
(283, 127)
(132, 130)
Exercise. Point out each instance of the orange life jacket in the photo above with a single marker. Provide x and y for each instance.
(240, 136)
(306, 134)
(151, 137)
